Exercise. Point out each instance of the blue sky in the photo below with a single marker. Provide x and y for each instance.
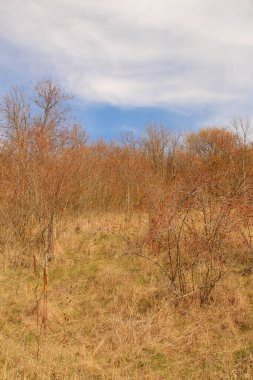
(110, 122)
(181, 63)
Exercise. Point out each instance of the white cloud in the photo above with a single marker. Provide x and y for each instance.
(168, 53)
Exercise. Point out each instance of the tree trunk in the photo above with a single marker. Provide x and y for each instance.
(50, 239)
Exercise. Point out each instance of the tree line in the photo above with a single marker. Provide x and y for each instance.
(195, 188)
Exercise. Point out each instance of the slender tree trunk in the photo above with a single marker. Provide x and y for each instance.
(50, 239)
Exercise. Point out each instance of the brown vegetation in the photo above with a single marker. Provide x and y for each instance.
(123, 261)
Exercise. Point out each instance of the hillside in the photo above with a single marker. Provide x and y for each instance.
(111, 314)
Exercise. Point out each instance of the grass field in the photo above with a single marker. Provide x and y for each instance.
(112, 316)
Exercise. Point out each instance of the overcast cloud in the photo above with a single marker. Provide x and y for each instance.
(165, 53)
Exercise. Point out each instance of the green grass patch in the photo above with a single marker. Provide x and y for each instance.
(244, 352)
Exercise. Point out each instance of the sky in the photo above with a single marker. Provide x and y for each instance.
(185, 64)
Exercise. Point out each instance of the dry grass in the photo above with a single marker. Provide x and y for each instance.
(112, 316)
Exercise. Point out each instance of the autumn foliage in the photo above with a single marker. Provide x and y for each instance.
(196, 189)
